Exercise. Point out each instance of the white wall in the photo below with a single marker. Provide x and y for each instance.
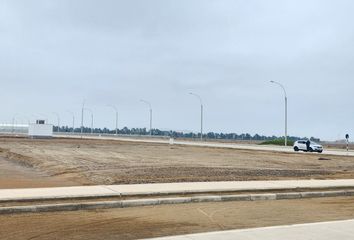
(40, 130)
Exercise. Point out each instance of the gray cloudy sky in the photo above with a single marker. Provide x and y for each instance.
(54, 54)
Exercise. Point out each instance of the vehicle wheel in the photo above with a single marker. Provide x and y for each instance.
(310, 150)
(320, 151)
(296, 149)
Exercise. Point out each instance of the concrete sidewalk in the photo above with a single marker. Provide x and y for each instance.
(167, 188)
(343, 230)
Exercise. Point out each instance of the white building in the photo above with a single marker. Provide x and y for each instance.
(40, 130)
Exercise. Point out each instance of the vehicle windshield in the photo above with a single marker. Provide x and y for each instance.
(314, 143)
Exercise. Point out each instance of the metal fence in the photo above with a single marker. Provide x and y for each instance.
(13, 128)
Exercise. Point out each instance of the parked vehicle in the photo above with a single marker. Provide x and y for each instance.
(307, 146)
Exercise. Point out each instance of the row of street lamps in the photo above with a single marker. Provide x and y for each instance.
(116, 116)
(286, 113)
(150, 114)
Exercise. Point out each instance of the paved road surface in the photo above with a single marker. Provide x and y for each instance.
(343, 230)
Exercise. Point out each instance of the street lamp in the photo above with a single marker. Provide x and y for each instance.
(150, 108)
(116, 110)
(25, 119)
(13, 123)
(201, 114)
(35, 117)
(91, 118)
(82, 117)
(73, 115)
(58, 118)
(286, 111)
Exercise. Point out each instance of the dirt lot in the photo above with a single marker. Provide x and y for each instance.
(75, 161)
(144, 222)
(14, 175)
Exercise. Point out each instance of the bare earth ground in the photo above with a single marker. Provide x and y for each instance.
(87, 162)
(63, 162)
(164, 220)
(13, 175)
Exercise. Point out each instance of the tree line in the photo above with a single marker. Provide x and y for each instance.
(177, 134)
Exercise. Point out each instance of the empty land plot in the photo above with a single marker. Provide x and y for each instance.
(116, 162)
(155, 221)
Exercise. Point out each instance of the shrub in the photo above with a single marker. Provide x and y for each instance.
(278, 141)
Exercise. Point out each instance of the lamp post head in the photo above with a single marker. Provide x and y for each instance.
(281, 85)
(196, 95)
(112, 106)
(146, 102)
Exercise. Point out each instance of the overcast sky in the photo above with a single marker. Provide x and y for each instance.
(55, 54)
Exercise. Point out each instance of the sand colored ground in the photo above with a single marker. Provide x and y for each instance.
(144, 222)
(75, 162)
(13, 175)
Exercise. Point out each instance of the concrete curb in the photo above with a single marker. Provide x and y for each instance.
(262, 197)
(164, 201)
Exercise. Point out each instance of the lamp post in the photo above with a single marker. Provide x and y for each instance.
(150, 108)
(82, 117)
(35, 117)
(201, 114)
(25, 119)
(286, 110)
(91, 118)
(58, 118)
(73, 123)
(116, 111)
(13, 123)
